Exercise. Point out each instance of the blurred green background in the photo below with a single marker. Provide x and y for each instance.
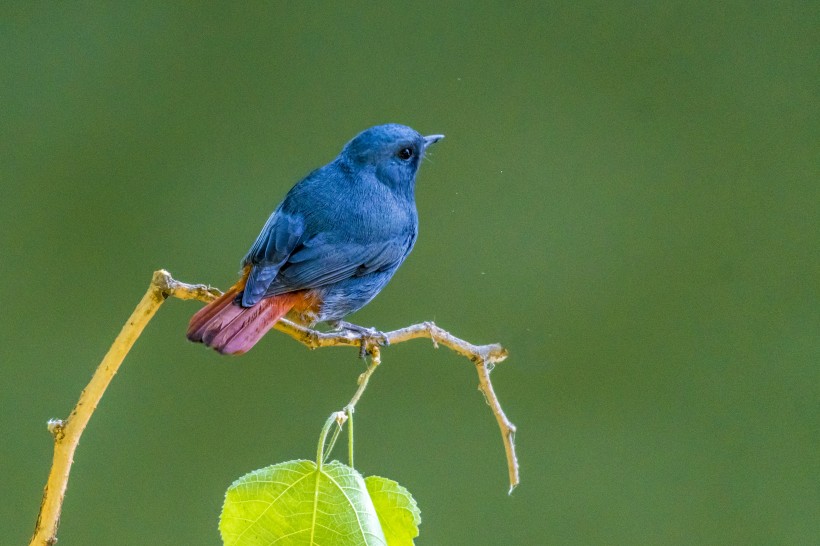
(627, 198)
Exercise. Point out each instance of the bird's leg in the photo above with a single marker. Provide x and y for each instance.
(368, 335)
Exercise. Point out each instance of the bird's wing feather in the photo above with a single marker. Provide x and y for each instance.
(270, 252)
(320, 261)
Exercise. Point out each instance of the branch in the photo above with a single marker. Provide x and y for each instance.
(67, 432)
(485, 357)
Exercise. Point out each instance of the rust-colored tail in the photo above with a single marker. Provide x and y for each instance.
(232, 329)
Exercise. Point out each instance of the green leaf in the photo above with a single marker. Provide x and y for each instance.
(398, 512)
(294, 503)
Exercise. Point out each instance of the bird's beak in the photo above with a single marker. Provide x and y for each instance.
(432, 139)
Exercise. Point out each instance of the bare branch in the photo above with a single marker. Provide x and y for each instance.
(485, 357)
(375, 360)
(67, 432)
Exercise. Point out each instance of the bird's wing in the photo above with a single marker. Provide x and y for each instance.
(320, 261)
(270, 252)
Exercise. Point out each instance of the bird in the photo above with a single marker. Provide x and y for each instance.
(329, 247)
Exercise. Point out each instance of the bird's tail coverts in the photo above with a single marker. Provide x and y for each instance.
(232, 329)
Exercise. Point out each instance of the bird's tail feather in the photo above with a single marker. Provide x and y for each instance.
(230, 328)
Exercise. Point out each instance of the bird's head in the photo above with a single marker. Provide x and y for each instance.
(392, 151)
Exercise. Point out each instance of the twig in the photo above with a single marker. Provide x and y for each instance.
(485, 357)
(67, 432)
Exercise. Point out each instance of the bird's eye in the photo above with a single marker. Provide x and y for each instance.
(405, 154)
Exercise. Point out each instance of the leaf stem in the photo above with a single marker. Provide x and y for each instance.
(332, 443)
(320, 449)
(349, 411)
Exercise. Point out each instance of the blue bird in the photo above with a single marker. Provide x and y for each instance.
(329, 247)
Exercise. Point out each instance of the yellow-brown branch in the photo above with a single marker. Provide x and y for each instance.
(67, 432)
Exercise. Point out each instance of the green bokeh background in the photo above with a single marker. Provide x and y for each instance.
(627, 199)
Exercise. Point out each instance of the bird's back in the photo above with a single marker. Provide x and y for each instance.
(351, 206)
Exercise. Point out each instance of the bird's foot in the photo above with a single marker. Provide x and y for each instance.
(369, 337)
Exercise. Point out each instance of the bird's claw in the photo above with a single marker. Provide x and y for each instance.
(369, 337)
